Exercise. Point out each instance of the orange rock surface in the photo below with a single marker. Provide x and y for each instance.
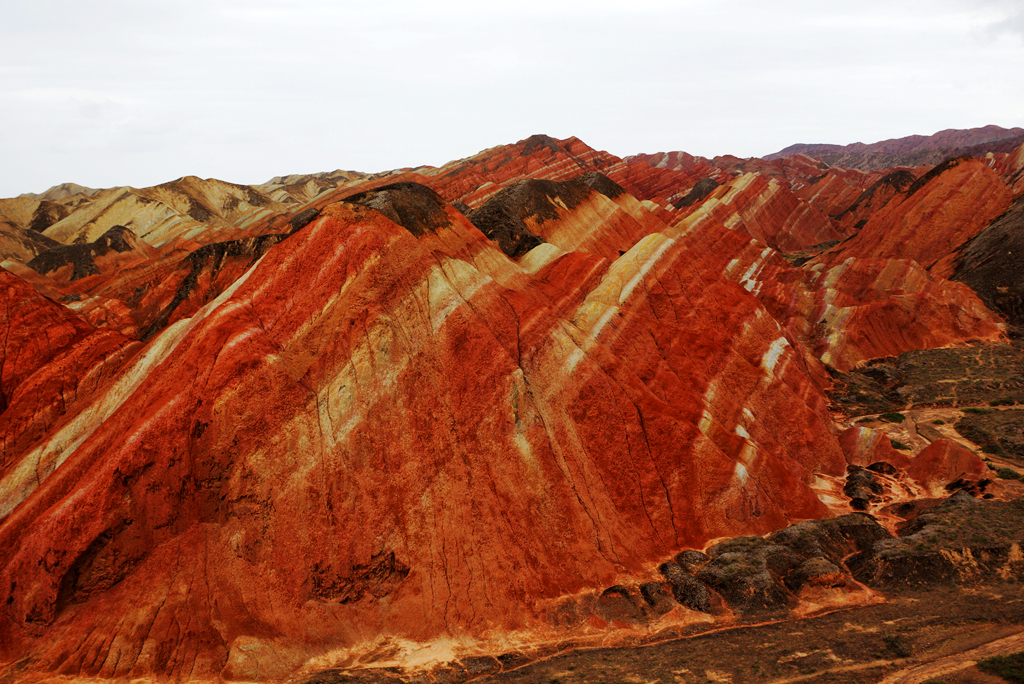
(768, 211)
(864, 446)
(451, 432)
(939, 212)
(435, 402)
(944, 462)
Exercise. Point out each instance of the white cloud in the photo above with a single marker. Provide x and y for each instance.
(142, 92)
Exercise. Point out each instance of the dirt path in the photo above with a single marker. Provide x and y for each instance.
(915, 636)
(957, 662)
(859, 667)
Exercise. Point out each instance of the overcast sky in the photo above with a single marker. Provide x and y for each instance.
(136, 92)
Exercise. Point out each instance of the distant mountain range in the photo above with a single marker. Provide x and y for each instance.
(914, 150)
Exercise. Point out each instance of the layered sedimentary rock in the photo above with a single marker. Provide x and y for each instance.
(913, 150)
(856, 214)
(665, 176)
(851, 312)
(51, 361)
(766, 210)
(591, 214)
(933, 217)
(833, 192)
(864, 446)
(1010, 166)
(438, 403)
(61, 191)
(188, 208)
(472, 180)
(416, 402)
(302, 188)
(80, 260)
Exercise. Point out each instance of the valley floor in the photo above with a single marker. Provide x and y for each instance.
(915, 637)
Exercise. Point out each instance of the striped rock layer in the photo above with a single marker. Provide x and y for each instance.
(434, 402)
(401, 434)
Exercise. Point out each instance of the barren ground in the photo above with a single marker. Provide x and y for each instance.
(918, 636)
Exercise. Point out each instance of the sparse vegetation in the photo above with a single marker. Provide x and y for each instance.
(897, 645)
(866, 419)
(1008, 474)
(892, 417)
(996, 432)
(938, 421)
(900, 446)
(974, 375)
(1002, 402)
(978, 410)
(1010, 668)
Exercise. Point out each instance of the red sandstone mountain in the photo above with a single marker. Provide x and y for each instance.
(435, 403)
(931, 218)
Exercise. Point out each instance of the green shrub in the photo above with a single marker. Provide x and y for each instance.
(1002, 402)
(867, 419)
(938, 421)
(893, 417)
(897, 645)
(978, 411)
(900, 446)
(1010, 668)
(1008, 474)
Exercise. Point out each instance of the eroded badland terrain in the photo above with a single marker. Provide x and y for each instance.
(538, 415)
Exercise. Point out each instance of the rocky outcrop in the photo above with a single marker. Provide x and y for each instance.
(943, 463)
(73, 262)
(754, 575)
(413, 206)
(959, 541)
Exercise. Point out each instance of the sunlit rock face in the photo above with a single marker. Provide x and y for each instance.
(432, 402)
(768, 211)
(377, 432)
(932, 218)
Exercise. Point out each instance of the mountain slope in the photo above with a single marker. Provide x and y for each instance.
(440, 408)
(913, 150)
